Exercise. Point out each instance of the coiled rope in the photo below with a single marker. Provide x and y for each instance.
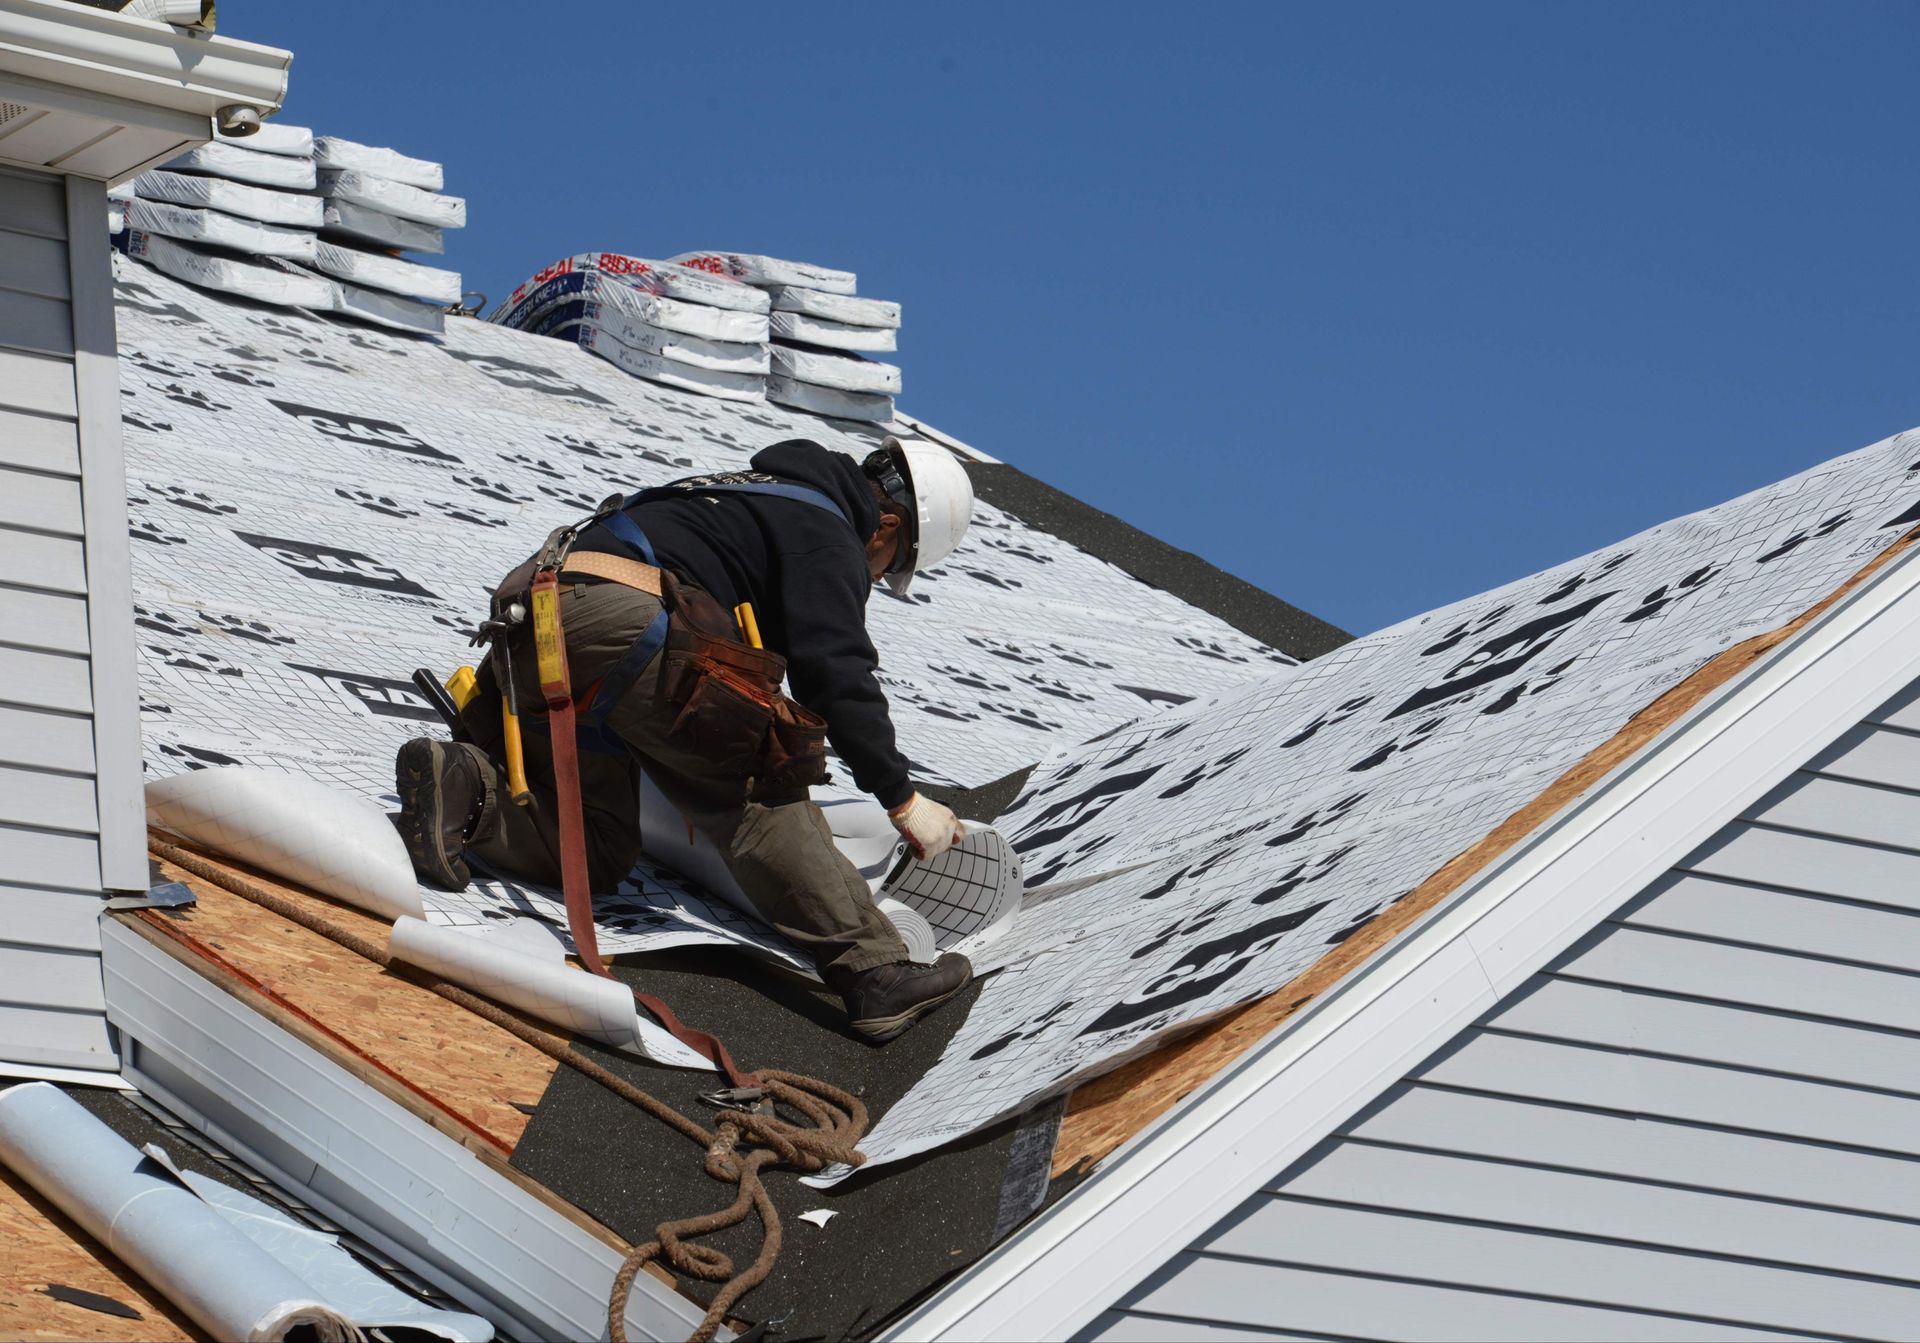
(740, 1145)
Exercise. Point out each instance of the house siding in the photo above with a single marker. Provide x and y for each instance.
(1702, 1121)
(68, 712)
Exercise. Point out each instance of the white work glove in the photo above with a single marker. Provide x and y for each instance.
(929, 828)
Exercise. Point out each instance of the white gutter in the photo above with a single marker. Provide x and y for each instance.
(1197, 1163)
(138, 60)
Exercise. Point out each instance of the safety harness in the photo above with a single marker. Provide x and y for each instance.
(556, 690)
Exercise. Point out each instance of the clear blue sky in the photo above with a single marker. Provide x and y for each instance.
(1376, 306)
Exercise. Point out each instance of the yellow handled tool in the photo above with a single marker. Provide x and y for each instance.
(749, 627)
(462, 686)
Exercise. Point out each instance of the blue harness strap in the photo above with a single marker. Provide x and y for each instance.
(619, 680)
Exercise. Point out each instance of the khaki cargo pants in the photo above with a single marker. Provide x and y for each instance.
(782, 856)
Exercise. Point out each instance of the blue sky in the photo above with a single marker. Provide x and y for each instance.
(1374, 305)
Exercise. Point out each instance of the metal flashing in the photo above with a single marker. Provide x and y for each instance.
(1201, 1159)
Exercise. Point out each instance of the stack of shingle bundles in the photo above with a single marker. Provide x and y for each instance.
(659, 321)
(376, 203)
(224, 215)
(820, 331)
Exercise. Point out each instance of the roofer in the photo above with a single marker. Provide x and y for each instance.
(792, 547)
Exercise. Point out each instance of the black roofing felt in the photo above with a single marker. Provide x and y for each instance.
(1249, 609)
(897, 1233)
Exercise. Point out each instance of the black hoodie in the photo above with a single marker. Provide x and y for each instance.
(805, 571)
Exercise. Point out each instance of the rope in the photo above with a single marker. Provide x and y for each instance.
(836, 1120)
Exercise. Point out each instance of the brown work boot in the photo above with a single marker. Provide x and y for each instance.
(884, 1001)
(443, 787)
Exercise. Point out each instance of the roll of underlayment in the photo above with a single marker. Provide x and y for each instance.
(185, 1250)
(913, 928)
(234, 198)
(294, 827)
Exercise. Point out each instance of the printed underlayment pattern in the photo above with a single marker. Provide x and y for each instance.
(319, 507)
(1196, 860)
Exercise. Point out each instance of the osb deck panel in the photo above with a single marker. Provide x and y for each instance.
(39, 1248)
(466, 1067)
(1109, 1110)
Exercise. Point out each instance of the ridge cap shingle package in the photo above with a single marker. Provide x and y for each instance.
(273, 137)
(386, 272)
(221, 159)
(396, 198)
(234, 198)
(230, 275)
(811, 330)
(835, 307)
(752, 268)
(219, 230)
(669, 314)
(829, 368)
(331, 151)
(665, 278)
(723, 356)
(364, 223)
(835, 404)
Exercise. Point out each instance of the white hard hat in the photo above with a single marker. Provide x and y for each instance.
(939, 499)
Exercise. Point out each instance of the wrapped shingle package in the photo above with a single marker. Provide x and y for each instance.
(653, 367)
(812, 330)
(234, 198)
(829, 401)
(835, 307)
(725, 356)
(388, 273)
(330, 151)
(220, 230)
(652, 277)
(344, 219)
(230, 275)
(220, 159)
(750, 268)
(616, 292)
(842, 372)
(395, 198)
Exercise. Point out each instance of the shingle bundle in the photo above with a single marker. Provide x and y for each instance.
(289, 218)
(667, 323)
(819, 332)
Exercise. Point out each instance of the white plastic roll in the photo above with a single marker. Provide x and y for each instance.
(160, 1229)
(913, 928)
(336, 843)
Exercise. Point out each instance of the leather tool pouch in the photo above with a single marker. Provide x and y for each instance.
(728, 705)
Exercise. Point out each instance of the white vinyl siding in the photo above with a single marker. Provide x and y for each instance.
(68, 725)
(1702, 1121)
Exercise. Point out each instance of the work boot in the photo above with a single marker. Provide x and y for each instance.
(884, 1001)
(443, 787)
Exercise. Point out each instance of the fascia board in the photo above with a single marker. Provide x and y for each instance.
(362, 1159)
(1181, 1175)
(141, 61)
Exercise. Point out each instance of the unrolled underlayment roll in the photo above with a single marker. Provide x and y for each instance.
(234, 198)
(234, 1265)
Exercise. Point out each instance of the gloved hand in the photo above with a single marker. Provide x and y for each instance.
(929, 828)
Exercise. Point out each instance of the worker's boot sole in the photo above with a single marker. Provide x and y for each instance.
(419, 773)
(882, 1029)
